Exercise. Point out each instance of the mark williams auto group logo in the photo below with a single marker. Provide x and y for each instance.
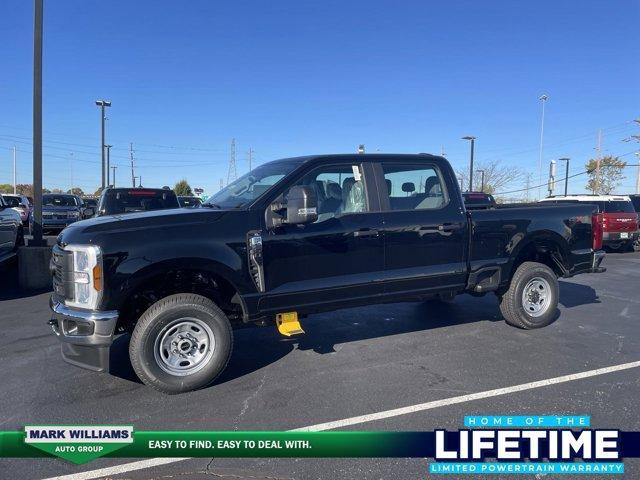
(78, 444)
(527, 444)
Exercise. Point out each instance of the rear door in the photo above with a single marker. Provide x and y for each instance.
(425, 228)
(336, 260)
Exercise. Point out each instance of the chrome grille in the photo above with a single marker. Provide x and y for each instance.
(59, 270)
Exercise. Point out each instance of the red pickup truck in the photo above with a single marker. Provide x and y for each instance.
(619, 218)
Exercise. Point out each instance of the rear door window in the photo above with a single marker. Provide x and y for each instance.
(414, 187)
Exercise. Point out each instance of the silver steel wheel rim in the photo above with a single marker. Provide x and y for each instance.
(184, 346)
(536, 296)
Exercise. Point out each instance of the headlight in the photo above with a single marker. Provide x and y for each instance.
(86, 276)
(73, 214)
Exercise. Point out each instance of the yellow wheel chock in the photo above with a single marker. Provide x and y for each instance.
(288, 324)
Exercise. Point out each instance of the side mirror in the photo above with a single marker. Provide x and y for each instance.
(89, 212)
(302, 205)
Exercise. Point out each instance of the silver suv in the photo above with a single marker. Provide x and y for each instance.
(11, 232)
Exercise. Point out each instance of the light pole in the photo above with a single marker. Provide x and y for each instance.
(37, 124)
(482, 181)
(114, 175)
(102, 104)
(566, 174)
(108, 147)
(543, 99)
(472, 140)
(638, 174)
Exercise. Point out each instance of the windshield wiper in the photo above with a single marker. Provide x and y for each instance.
(212, 205)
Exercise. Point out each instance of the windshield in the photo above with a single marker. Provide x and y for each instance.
(189, 201)
(12, 201)
(250, 186)
(59, 201)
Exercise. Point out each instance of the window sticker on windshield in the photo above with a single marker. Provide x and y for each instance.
(356, 173)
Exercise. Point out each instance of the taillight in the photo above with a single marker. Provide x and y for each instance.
(597, 220)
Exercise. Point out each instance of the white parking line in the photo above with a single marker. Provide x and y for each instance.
(154, 462)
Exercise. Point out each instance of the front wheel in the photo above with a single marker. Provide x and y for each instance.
(181, 343)
(532, 298)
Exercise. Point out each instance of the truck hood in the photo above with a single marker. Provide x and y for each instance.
(178, 217)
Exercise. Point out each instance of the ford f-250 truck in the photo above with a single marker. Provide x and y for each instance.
(294, 237)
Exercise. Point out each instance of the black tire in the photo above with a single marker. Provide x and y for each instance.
(153, 325)
(519, 313)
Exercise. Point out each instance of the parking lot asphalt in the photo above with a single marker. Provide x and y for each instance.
(350, 363)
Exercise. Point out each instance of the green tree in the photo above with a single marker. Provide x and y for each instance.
(98, 192)
(76, 191)
(610, 176)
(6, 188)
(182, 188)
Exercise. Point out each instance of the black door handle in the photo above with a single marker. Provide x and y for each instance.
(366, 232)
(449, 227)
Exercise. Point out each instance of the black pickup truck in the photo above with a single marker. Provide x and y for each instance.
(299, 236)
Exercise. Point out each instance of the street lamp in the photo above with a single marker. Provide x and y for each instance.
(102, 104)
(482, 181)
(108, 147)
(543, 99)
(566, 174)
(472, 140)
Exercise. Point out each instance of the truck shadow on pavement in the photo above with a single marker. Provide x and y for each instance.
(257, 347)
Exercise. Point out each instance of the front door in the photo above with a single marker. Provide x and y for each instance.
(425, 230)
(334, 261)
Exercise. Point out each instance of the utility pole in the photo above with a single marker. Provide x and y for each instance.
(250, 157)
(552, 177)
(133, 178)
(114, 175)
(108, 147)
(598, 157)
(482, 181)
(566, 174)
(543, 99)
(232, 174)
(638, 174)
(37, 124)
(221, 183)
(527, 186)
(14, 170)
(71, 171)
(102, 104)
(140, 181)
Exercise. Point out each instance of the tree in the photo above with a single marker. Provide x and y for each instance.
(610, 176)
(182, 188)
(57, 190)
(76, 191)
(46, 190)
(98, 192)
(6, 188)
(25, 189)
(496, 176)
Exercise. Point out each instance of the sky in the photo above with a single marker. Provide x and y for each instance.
(288, 78)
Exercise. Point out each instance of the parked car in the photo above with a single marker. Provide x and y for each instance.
(189, 202)
(299, 236)
(58, 211)
(620, 220)
(117, 201)
(11, 230)
(478, 200)
(20, 204)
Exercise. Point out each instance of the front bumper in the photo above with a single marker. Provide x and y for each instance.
(86, 335)
(58, 223)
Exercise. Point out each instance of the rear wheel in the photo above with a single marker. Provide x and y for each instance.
(532, 298)
(181, 343)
